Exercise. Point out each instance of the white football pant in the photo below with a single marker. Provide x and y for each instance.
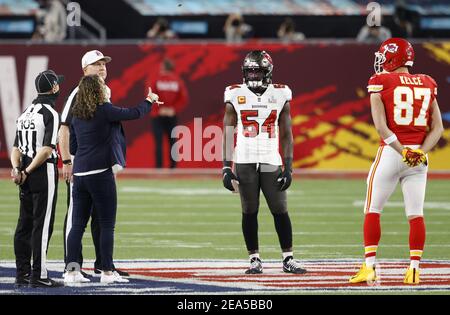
(386, 171)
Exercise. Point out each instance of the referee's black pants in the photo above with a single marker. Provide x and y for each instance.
(163, 125)
(98, 191)
(35, 225)
(95, 231)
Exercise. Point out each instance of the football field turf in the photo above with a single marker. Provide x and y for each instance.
(199, 219)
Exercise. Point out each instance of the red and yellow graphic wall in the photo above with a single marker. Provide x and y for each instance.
(330, 109)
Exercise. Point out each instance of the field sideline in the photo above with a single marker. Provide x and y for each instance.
(199, 219)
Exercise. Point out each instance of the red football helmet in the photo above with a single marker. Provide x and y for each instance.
(394, 53)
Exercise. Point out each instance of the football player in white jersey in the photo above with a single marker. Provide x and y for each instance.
(261, 112)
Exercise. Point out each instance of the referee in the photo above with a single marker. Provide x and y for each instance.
(93, 62)
(34, 161)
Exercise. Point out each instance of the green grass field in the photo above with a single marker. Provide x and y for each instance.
(200, 219)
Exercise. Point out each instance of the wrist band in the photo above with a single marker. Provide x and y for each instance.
(67, 161)
(390, 139)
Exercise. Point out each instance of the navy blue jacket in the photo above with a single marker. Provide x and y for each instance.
(99, 142)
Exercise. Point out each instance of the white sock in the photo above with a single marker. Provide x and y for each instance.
(370, 261)
(287, 254)
(414, 264)
(255, 255)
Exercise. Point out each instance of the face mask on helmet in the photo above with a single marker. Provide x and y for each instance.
(257, 69)
(378, 63)
(254, 77)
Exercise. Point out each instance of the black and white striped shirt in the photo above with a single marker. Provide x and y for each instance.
(66, 115)
(37, 127)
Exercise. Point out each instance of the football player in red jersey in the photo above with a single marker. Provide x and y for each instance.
(407, 117)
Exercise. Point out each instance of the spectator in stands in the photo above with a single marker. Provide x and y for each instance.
(287, 32)
(404, 18)
(161, 30)
(235, 28)
(373, 34)
(51, 21)
(172, 89)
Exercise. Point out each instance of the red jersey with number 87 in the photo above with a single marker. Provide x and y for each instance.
(407, 101)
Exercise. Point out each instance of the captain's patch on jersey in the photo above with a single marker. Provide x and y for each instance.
(241, 99)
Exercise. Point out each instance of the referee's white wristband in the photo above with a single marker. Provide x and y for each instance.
(390, 139)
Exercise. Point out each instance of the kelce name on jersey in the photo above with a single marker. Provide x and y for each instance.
(413, 80)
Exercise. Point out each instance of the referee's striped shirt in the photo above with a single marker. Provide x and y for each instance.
(37, 127)
(66, 115)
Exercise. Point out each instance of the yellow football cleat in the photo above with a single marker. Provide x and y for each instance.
(364, 275)
(412, 276)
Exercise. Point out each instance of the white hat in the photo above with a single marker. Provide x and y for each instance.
(92, 57)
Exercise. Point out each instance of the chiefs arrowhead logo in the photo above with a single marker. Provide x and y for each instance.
(392, 48)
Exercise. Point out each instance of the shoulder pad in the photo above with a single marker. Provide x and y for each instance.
(285, 90)
(229, 92)
(234, 86)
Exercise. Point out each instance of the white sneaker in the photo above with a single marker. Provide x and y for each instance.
(72, 277)
(114, 277)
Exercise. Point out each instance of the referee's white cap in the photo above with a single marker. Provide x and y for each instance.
(93, 56)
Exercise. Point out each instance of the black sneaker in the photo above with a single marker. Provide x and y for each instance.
(86, 275)
(120, 272)
(45, 283)
(255, 267)
(291, 266)
(22, 281)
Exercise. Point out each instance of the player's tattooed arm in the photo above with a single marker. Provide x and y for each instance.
(286, 137)
(229, 179)
(287, 147)
(229, 124)
(436, 128)
(379, 120)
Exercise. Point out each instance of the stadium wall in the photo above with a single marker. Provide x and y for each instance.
(332, 125)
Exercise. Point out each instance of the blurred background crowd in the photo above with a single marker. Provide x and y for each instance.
(232, 20)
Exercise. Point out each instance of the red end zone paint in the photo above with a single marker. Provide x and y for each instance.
(322, 275)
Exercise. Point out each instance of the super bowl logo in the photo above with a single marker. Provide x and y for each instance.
(392, 48)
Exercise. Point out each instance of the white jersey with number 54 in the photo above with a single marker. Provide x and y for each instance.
(257, 122)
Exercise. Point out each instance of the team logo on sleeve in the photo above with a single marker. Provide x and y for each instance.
(241, 99)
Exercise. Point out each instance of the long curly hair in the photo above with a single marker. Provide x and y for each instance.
(91, 93)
